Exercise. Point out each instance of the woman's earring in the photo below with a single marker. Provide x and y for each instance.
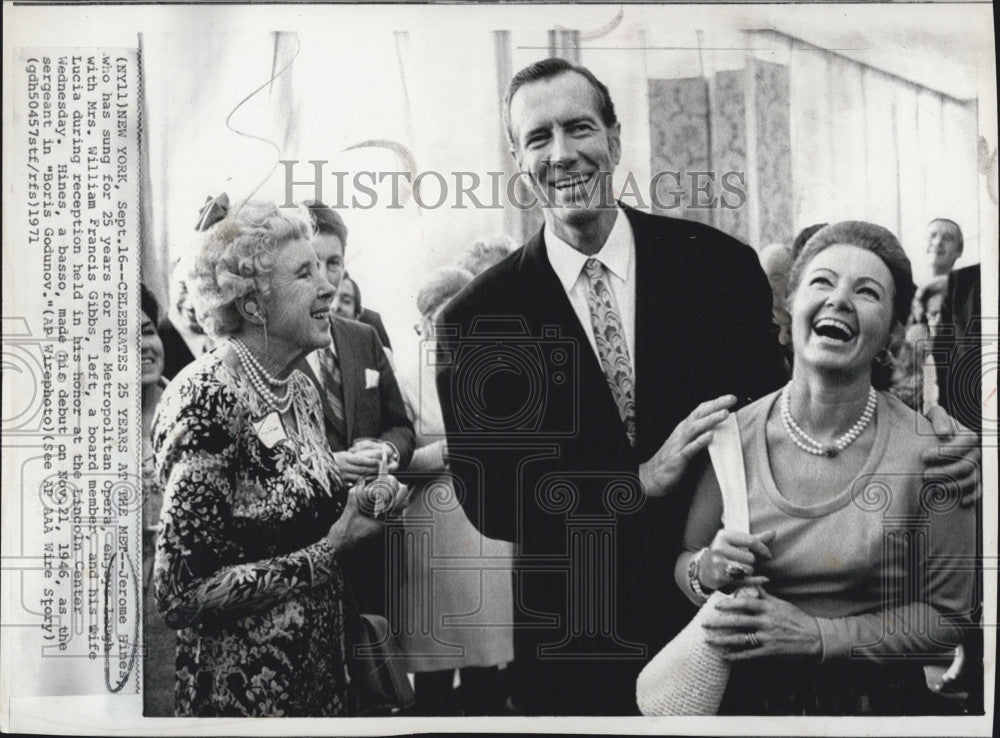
(882, 357)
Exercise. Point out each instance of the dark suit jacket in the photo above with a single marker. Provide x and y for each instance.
(541, 456)
(376, 412)
(370, 317)
(958, 349)
(176, 354)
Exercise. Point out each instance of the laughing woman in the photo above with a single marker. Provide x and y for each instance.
(254, 514)
(861, 556)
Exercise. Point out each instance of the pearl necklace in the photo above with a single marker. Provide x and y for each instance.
(809, 444)
(248, 356)
(259, 379)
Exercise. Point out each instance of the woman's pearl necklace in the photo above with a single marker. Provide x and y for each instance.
(260, 379)
(809, 444)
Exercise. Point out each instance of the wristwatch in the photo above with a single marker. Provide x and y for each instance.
(693, 568)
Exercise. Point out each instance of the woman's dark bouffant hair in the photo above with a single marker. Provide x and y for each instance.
(881, 242)
(149, 304)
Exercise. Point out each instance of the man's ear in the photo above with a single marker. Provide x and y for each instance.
(615, 142)
(515, 152)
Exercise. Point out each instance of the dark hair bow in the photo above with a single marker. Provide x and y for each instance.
(214, 210)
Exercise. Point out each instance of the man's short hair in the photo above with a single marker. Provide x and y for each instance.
(958, 231)
(549, 69)
(325, 221)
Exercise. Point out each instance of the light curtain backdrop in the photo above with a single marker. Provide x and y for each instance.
(891, 137)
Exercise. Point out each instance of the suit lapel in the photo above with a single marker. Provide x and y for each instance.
(656, 318)
(351, 369)
(551, 306)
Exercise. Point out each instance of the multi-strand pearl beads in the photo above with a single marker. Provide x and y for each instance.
(260, 379)
(809, 444)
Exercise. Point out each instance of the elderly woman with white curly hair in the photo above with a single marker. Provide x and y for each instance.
(255, 514)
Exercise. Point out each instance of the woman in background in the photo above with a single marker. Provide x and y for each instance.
(842, 524)
(255, 515)
(453, 619)
(347, 301)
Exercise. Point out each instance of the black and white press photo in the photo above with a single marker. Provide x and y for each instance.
(465, 367)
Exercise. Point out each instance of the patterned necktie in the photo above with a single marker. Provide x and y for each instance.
(334, 391)
(611, 349)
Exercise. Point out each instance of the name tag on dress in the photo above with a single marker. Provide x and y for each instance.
(270, 430)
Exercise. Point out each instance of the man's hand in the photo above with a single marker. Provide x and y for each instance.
(362, 459)
(355, 465)
(957, 461)
(375, 449)
(661, 474)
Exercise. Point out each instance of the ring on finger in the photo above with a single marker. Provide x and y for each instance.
(735, 571)
(751, 640)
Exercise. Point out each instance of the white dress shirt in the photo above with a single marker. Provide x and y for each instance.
(618, 257)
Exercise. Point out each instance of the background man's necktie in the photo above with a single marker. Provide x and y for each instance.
(334, 391)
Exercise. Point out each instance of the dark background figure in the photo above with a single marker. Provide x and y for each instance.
(370, 317)
(174, 347)
(347, 301)
(945, 244)
(176, 350)
(957, 348)
(348, 305)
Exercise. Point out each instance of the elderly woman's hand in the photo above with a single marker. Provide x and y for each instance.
(751, 627)
(731, 559)
(384, 497)
(353, 525)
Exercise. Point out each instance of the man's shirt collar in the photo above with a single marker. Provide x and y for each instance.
(616, 254)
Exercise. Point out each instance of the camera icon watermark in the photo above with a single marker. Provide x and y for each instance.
(503, 380)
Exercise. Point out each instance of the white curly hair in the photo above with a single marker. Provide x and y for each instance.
(235, 259)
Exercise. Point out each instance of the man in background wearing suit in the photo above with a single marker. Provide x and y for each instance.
(579, 378)
(363, 409)
(372, 318)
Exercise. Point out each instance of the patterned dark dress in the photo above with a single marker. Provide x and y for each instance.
(243, 570)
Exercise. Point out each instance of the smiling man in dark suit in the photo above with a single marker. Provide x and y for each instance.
(579, 379)
(646, 330)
